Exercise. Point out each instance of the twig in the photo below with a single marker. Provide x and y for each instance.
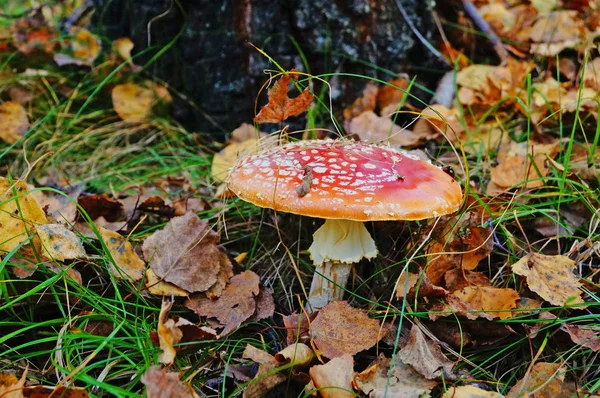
(482, 24)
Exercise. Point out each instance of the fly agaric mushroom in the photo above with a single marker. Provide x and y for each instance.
(346, 183)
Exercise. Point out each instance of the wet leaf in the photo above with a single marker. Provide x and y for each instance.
(378, 129)
(82, 49)
(544, 380)
(236, 304)
(299, 354)
(14, 122)
(59, 243)
(280, 106)
(551, 277)
(334, 379)
(185, 253)
(126, 259)
(19, 213)
(163, 384)
(379, 381)
(495, 301)
(341, 329)
(101, 206)
(470, 392)
(425, 356)
(134, 103)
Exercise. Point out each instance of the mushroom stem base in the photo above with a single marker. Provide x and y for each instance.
(328, 284)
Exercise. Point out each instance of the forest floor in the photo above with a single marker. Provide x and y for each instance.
(129, 269)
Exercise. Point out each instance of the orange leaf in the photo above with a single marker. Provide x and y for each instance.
(280, 106)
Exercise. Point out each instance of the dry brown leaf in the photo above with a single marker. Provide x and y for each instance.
(280, 106)
(246, 132)
(297, 327)
(406, 282)
(52, 392)
(457, 279)
(438, 118)
(134, 103)
(341, 329)
(10, 386)
(265, 304)
(366, 102)
(14, 122)
(454, 305)
(478, 77)
(379, 381)
(127, 260)
(59, 243)
(498, 16)
(377, 129)
(515, 170)
(167, 336)
(494, 301)
(31, 34)
(236, 304)
(545, 380)
(185, 253)
(19, 213)
(551, 277)
(390, 96)
(334, 379)
(101, 206)
(157, 286)
(225, 273)
(162, 384)
(82, 49)
(262, 383)
(419, 284)
(228, 156)
(61, 208)
(555, 31)
(583, 335)
(425, 356)
(299, 355)
(470, 392)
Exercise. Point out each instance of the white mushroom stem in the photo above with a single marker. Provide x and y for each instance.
(336, 246)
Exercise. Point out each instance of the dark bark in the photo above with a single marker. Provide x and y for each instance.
(213, 63)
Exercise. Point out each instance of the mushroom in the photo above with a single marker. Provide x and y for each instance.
(345, 183)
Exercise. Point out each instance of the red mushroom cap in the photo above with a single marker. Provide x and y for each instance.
(344, 180)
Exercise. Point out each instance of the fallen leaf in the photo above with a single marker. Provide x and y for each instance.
(341, 329)
(25, 262)
(516, 170)
(583, 335)
(246, 132)
(494, 301)
(280, 106)
(134, 103)
(378, 129)
(454, 305)
(126, 259)
(263, 382)
(10, 386)
(379, 381)
(436, 119)
(544, 380)
(101, 206)
(555, 31)
(457, 279)
(225, 273)
(334, 379)
(419, 284)
(31, 34)
(391, 95)
(20, 95)
(185, 253)
(162, 384)
(425, 356)
(228, 156)
(99, 327)
(297, 327)
(265, 304)
(19, 213)
(299, 355)
(61, 207)
(188, 204)
(551, 277)
(124, 45)
(498, 16)
(157, 286)
(236, 304)
(14, 122)
(52, 392)
(470, 392)
(167, 336)
(59, 243)
(366, 102)
(82, 49)
(477, 77)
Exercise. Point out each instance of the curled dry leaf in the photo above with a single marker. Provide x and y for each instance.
(126, 259)
(470, 392)
(59, 243)
(236, 304)
(19, 213)
(372, 128)
(161, 384)
(101, 206)
(299, 354)
(134, 103)
(280, 106)
(425, 356)
(494, 301)
(14, 122)
(379, 381)
(82, 49)
(341, 329)
(167, 336)
(185, 253)
(544, 380)
(334, 379)
(262, 383)
(551, 277)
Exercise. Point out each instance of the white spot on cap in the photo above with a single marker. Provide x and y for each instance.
(320, 170)
(370, 166)
(368, 199)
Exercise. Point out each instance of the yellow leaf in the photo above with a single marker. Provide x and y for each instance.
(159, 287)
(122, 252)
(551, 277)
(19, 212)
(470, 392)
(493, 300)
(134, 103)
(59, 243)
(226, 159)
(13, 121)
(544, 380)
(124, 45)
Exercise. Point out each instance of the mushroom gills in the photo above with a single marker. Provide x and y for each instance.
(336, 246)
